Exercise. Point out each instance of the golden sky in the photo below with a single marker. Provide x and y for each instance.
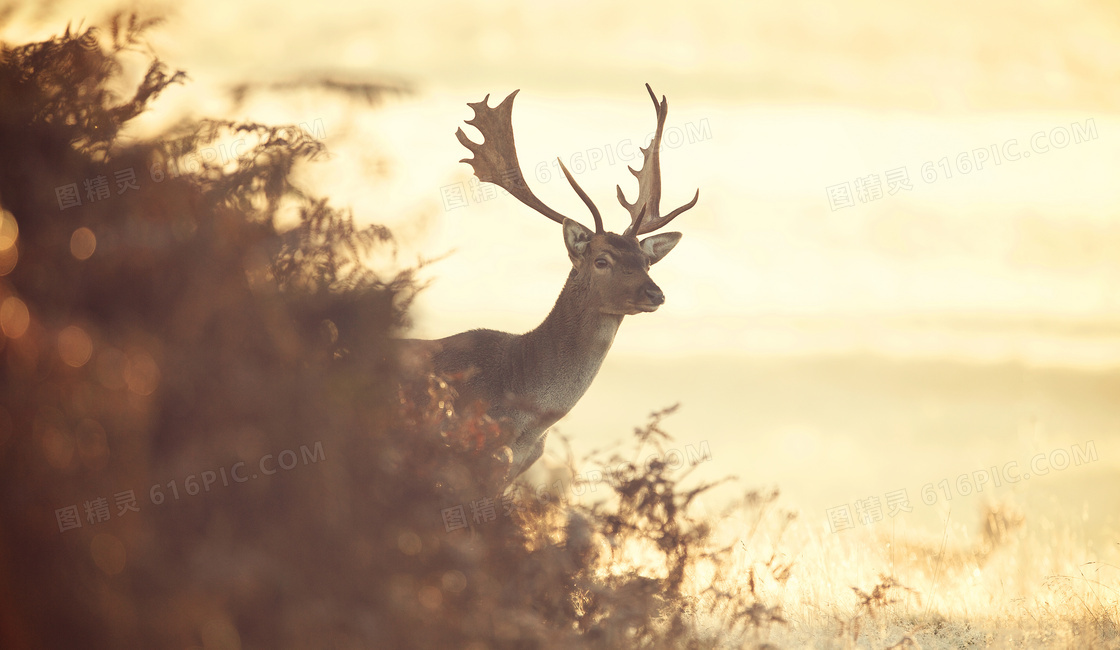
(773, 106)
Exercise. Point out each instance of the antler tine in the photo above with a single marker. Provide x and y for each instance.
(583, 195)
(644, 211)
(495, 158)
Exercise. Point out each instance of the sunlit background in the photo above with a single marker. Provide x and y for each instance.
(831, 328)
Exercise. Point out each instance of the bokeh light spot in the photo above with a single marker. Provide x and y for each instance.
(74, 346)
(454, 581)
(9, 230)
(82, 243)
(430, 597)
(14, 317)
(409, 543)
(141, 373)
(8, 259)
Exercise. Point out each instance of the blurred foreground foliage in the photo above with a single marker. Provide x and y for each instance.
(205, 441)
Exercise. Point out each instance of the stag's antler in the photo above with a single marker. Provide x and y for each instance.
(644, 215)
(495, 159)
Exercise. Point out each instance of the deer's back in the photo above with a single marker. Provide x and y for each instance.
(472, 360)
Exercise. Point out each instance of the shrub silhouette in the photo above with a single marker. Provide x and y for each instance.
(166, 345)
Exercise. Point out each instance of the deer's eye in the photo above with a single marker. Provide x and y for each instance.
(601, 263)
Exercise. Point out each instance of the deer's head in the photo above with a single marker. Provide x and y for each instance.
(615, 267)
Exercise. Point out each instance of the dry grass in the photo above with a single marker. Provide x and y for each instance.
(1025, 587)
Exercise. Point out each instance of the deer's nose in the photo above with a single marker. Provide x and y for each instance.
(655, 295)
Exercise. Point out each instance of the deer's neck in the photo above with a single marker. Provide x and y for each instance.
(558, 359)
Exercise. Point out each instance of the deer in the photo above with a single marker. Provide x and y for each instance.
(529, 381)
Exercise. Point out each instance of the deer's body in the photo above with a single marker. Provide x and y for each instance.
(531, 380)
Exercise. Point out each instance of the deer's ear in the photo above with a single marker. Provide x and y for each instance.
(576, 239)
(658, 246)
